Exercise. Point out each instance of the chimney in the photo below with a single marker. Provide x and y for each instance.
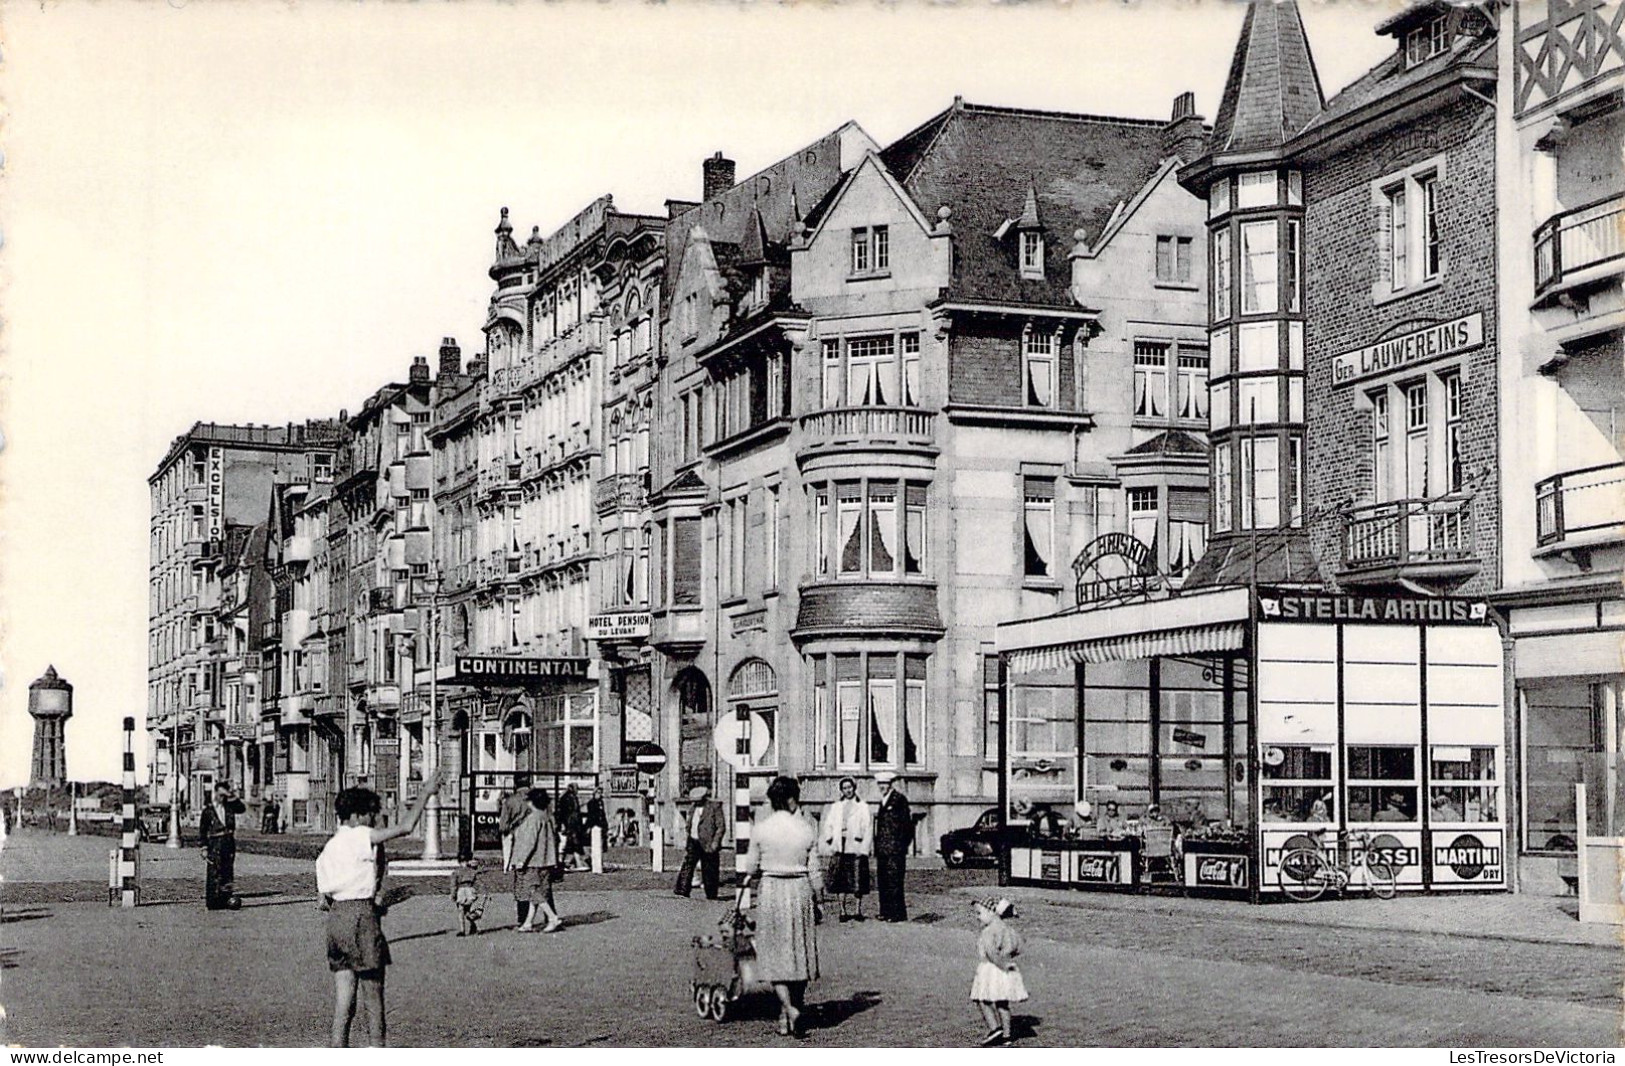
(476, 366)
(419, 374)
(451, 357)
(1183, 135)
(719, 176)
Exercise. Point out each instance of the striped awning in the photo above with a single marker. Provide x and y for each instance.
(1200, 623)
(1196, 640)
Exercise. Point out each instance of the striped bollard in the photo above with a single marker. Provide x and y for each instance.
(742, 799)
(130, 843)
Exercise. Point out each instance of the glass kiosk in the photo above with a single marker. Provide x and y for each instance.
(1190, 741)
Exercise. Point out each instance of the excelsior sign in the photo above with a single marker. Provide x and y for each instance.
(1407, 349)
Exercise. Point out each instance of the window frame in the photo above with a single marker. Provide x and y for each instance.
(870, 252)
(1032, 253)
(1410, 235)
(1040, 348)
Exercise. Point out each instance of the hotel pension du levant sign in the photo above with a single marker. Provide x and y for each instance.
(1409, 349)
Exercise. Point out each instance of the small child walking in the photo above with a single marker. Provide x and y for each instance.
(465, 893)
(998, 981)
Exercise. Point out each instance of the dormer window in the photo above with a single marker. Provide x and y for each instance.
(871, 250)
(1032, 253)
(1429, 39)
(758, 289)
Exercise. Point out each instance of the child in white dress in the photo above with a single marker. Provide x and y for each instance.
(998, 981)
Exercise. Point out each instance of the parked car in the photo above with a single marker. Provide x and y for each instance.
(978, 844)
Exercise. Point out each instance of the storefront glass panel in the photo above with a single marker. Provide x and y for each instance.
(1564, 721)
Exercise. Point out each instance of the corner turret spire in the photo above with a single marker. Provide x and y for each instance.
(1273, 90)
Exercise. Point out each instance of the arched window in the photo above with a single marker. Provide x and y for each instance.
(611, 453)
(516, 732)
(753, 690)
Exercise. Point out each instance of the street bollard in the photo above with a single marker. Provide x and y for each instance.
(597, 849)
(129, 869)
(657, 849)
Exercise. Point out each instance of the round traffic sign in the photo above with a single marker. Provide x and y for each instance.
(651, 758)
(725, 739)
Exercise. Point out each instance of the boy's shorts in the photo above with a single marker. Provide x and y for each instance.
(355, 941)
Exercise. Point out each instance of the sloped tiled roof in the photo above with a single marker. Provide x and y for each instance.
(981, 162)
(1391, 76)
(772, 195)
(1170, 442)
(1273, 557)
(1273, 90)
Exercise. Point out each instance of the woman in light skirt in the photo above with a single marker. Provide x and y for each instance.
(781, 861)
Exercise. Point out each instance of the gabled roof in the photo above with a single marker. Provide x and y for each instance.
(1120, 218)
(1273, 90)
(773, 194)
(981, 162)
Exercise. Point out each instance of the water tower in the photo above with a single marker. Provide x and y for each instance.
(50, 702)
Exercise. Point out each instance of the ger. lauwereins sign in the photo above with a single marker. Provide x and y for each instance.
(1407, 349)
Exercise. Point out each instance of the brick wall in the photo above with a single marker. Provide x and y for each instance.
(1343, 260)
(984, 366)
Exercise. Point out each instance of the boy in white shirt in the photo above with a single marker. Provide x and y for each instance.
(349, 876)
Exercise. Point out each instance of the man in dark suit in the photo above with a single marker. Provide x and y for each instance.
(217, 832)
(894, 835)
(705, 831)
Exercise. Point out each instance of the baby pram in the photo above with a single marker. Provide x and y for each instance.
(725, 965)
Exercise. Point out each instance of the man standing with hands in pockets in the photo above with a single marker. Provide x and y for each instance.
(894, 835)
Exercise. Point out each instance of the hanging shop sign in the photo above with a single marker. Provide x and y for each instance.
(1115, 566)
(618, 625)
(1287, 606)
(505, 670)
(1409, 349)
(217, 491)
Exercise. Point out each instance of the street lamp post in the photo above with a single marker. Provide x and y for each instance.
(174, 840)
(431, 732)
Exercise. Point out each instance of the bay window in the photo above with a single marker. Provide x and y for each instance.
(1259, 281)
(866, 371)
(877, 528)
(869, 710)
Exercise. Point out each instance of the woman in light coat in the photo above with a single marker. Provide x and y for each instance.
(847, 836)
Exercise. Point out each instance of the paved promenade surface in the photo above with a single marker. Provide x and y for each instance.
(1103, 969)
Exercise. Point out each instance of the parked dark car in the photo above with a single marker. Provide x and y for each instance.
(977, 844)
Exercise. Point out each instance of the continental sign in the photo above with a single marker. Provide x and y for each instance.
(506, 670)
(1409, 349)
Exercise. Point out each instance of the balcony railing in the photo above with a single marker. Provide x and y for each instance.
(1580, 501)
(900, 425)
(621, 492)
(1408, 533)
(1574, 240)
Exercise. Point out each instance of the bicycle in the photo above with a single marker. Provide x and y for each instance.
(1308, 871)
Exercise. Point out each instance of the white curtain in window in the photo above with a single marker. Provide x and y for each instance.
(883, 529)
(849, 696)
(882, 721)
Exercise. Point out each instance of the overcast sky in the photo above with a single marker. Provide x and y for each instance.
(260, 212)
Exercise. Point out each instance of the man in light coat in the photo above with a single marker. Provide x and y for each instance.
(847, 836)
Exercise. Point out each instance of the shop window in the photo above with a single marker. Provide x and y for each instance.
(1463, 786)
(1564, 723)
(1382, 783)
(877, 703)
(1038, 536)
(1297, 783)
(1043, 722)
